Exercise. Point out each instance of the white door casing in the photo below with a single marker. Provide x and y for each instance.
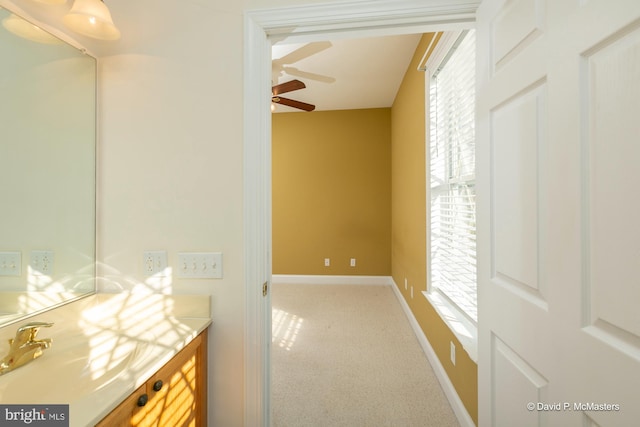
(257, 225)
(558, 142)
(305, 23)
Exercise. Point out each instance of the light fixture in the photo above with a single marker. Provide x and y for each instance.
(27, 30)
(91, 18)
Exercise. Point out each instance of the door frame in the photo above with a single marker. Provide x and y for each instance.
(299, 24)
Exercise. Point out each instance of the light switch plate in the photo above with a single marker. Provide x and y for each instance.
(10, 263)
(199, 265)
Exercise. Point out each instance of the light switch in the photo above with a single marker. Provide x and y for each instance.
(199, 265)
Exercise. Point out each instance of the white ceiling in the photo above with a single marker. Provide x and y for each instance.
(345, 74)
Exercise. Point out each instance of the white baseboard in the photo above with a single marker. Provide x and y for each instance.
(330, 280)
(454, 400)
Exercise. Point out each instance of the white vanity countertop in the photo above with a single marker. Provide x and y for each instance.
(104, 347)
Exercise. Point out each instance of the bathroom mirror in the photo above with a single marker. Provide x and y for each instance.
(47, 170)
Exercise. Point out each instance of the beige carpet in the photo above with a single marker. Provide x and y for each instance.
(347, 356)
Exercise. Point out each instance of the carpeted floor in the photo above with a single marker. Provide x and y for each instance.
(347, 356)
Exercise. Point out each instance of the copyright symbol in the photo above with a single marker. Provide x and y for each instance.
(531, 406)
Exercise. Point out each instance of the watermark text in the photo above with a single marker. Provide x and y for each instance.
(572, 406)
(35, 415)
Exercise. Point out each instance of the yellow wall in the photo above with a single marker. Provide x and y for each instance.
(409, 228)
(352, 184)
(332, 192)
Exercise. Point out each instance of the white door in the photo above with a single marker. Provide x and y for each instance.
(558, 154)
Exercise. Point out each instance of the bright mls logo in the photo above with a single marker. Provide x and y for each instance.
(36, 415)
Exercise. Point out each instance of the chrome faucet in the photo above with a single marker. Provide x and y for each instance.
(25, 347)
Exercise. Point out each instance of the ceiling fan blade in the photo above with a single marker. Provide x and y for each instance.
(287, 87)
(305, 51)
(293, 103)
(305, 74)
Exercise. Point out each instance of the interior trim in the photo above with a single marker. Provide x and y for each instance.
(352, 16)
(302, 279)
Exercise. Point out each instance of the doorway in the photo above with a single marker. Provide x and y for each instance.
(299, 24)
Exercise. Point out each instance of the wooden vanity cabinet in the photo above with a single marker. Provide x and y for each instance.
(174, 396)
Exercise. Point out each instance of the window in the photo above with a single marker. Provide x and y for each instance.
(452, 213)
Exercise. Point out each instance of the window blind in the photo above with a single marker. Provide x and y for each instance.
(452, 184)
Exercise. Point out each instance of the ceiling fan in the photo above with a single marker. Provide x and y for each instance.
(290, 86)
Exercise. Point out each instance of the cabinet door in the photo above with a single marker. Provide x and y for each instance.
(122, 415)
(177, 392)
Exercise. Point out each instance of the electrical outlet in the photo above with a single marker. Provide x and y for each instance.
(200, 265)
(353, 262)
(453, 353)
(10, 263)
(327, 262)
(155, 263)
(41, 263)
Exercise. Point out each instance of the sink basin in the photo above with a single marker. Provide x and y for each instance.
(76, 366)
(101, 358)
